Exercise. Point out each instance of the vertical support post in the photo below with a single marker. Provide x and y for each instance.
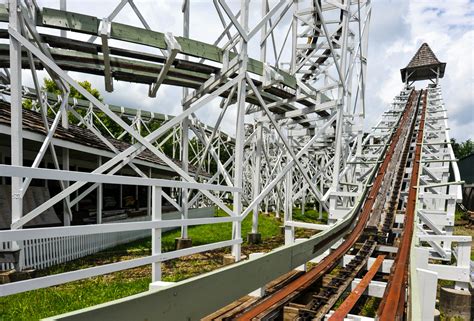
(121, 196)
(156, 232)
(65, 124)
(294, 37)
(257, 176)
(320, 203)
(240, 132)
(148, 199)
(185, 132)
(99, 201)
(254, 237)
(288, 215)
(63, 7)
(76, 194)
(16, 119)
(303, 200)
(427, 283)
(263, 43)
(363, 55)
(341, 102)
(463, 260)
(66, 216)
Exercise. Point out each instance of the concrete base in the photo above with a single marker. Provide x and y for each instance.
(229, 259)
(180, 243)
(5, 276)
(455, 303)
(437, 315)
(14, 276)
(254, 238)
(158, 285)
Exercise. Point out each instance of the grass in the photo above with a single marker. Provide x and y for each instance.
(42, 303)
(310, 216)
(369, 309)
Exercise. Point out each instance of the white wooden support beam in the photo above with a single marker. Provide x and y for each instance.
(426, 287)
(459, 273)
(350, 317)
(16, 138)
(173, 48)
(270, 76)
(100, 197)
(375, 288)
(312, 226)
(385, 268)
(156, 232)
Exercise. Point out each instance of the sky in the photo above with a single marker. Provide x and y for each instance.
(397, 30)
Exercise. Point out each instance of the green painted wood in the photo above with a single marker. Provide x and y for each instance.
(88, 24)
(137, 35)
(69, 21)
(200, 49)
(3, 13)
(139, 67)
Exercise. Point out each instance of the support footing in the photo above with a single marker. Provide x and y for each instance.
(229, 259)
(14, 276)
(181, 243)
(158, 285)
(254, 238)
(455, 303)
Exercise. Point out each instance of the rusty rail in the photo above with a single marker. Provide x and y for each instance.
(285, 294)
(355, 295)
(392, 306)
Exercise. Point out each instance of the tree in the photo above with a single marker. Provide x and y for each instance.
(111, 126)
(462, 149)
(51, 87)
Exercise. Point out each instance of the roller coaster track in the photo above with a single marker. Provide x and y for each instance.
(317, 151)
(276, 300)
(393, 303)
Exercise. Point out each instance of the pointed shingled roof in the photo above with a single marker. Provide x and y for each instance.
(423, 65)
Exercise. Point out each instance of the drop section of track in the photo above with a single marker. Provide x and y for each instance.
(359, 233)
(392, 306)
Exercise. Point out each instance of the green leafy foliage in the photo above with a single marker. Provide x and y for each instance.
(370, 306)
(108, 127)
(462, 149)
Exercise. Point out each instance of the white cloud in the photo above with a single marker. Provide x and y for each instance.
(447, 26)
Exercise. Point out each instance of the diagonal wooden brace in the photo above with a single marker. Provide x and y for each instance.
(173, 48)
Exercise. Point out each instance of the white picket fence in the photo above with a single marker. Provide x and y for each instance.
(43, 253)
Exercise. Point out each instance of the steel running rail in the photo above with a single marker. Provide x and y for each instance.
(392, 306)
(286, 293)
